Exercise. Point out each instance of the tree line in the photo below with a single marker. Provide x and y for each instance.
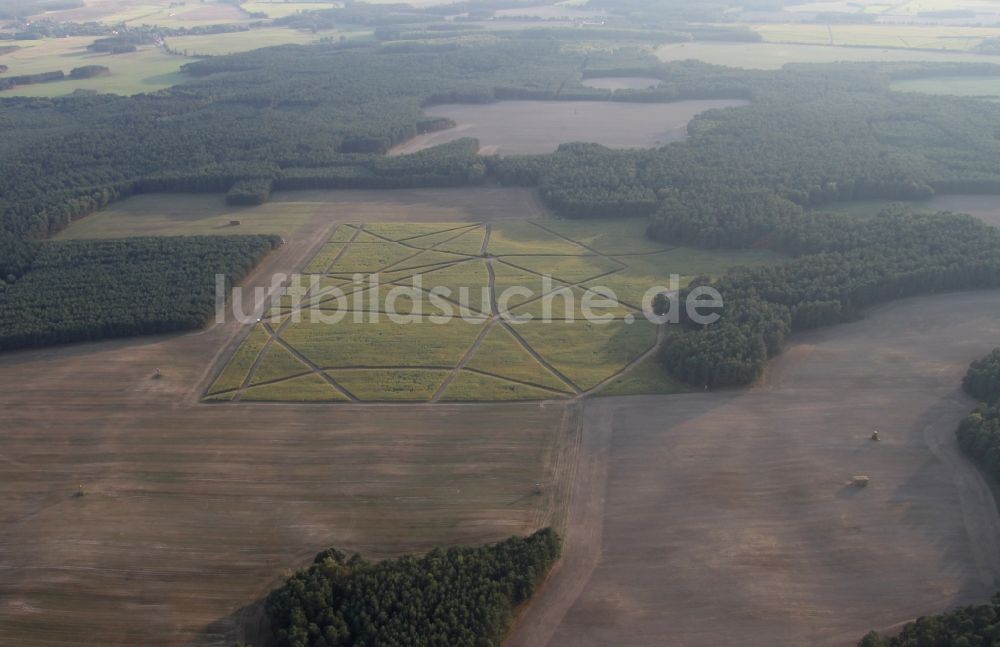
(979, 433)
(845, 265)
(971, 626)
(447, 598)
(83, 72)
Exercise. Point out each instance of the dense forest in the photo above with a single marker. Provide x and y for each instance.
(447, 598)
(59, 292)
(973, 626)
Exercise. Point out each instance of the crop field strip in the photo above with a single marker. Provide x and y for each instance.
(456, 371)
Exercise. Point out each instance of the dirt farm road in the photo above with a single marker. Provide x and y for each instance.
(727, 517)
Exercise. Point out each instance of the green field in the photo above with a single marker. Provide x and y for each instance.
(647, 378)
(933, 37)
(771, 56)
(963, 86)
(149, 12)
(173, 14)
(146, 70)
(282, 9)
(235, 374)
(198, 215)
(421, 312)
(240, 41)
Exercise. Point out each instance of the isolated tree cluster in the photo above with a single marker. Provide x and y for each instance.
(459, 597)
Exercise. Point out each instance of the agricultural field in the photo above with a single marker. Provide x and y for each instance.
(193, 215)
(146, 70)
(932, 37)
(984, 207)
(463, 312)
(914, 7)
(961, 86)
(244, 41)
(282, 9)
(838, 6)
(771, 56)
(543, 125)
(164, 13)
(183, 15)
(305, 214)
(906, 13)
(552, 11)
(622, 83)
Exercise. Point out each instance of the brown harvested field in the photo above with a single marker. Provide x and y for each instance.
(530, 127)
(190, 512)
(984, 207)
(622, 82)
(727, 518)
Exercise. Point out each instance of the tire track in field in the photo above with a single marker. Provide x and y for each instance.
(538, 357)
(276, 332)
(240, 336)
(974, 493)
(471, 352)
(328, 296)
(485, 249)
(466, 358)
(628, 368)
(521, 340)
(420, 250)
(465, 228)
(579, 244)
(316, 369)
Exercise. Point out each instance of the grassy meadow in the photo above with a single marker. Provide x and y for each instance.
(146, 70)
